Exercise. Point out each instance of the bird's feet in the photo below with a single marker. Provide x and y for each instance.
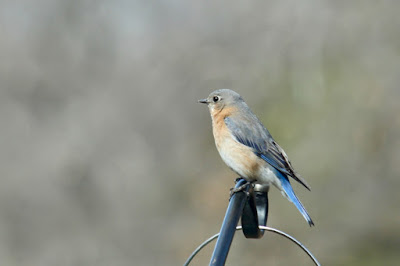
(241, 188)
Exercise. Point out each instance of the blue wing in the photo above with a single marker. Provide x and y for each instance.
(252, 133)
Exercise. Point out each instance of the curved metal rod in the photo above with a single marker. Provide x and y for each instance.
(291, 238)
(205, 243)
(197, 250)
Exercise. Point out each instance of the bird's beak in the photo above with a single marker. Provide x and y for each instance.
(203, 101)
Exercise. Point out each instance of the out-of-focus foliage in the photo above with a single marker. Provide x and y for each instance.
(107, 159)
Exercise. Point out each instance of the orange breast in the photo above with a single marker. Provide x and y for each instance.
(237, 156)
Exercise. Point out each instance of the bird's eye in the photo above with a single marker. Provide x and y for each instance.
(216, 99)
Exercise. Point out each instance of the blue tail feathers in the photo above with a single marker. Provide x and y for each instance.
(290, 193)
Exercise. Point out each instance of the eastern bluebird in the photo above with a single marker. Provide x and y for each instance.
(247, 147)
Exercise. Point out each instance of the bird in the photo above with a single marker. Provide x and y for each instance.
(247, 147)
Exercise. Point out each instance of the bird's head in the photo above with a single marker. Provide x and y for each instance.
(221, 99)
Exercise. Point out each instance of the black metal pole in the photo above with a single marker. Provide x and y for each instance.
(228, 228)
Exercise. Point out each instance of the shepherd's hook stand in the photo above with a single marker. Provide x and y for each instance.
(250, 203)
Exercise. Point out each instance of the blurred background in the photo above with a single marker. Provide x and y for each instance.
(106, 158)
